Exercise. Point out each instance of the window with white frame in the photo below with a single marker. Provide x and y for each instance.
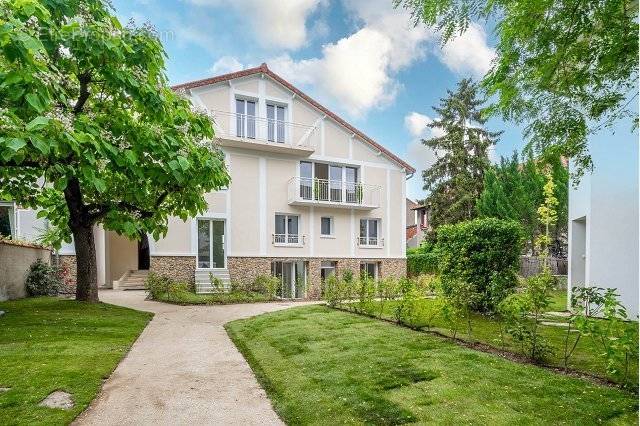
(326, 226)
(275, 122)
(211, 243)
(330, 182)
(7, 219)
(369, 229)
(369, 270)
(246, 118)
(286, 228)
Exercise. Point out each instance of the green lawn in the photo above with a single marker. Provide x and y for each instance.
(189, 298)
(320, 365)
(48, 344)
(586, 357)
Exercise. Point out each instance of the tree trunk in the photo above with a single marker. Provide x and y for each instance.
(86, 268)
(82, 229)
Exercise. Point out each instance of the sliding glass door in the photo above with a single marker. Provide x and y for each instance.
(211, 252)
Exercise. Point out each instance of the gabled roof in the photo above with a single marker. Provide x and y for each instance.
(263, 69)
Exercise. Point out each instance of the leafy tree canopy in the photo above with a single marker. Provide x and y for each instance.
(90, 132)
(455, 180)
(565, 68)
(514, 189)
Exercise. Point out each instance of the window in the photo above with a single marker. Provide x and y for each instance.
(245, 118)
(275, 123)
(327, 268)
(326, 226)
(369, 269)
(369, 232)
(292, 277)
(7, 220)
(353, 190)
(211, 244)
(286, 229)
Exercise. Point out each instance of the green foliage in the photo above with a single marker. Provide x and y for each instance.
(407, 310)
(85, 107)
(422, 260)
(216, 283)
(618, 342)
(455, 180)
(522, 313)
(386, 290)
(565, 68)
(484, 253)
(332, 291)
(42, 279)
(157, 285)
(458, 301)
(266, 284)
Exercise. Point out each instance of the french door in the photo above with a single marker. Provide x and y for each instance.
(245, 118)
(211, 253)
(275, 123)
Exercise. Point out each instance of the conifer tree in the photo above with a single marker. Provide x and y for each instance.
(456, 179)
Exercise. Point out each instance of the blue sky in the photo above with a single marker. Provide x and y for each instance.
(360, 58)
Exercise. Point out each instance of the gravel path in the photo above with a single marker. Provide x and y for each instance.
(183, 369)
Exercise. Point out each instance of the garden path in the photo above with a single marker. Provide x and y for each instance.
(183, 369)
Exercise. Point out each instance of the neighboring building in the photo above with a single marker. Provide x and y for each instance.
(603, 223)
(417, 223)
(310, 196)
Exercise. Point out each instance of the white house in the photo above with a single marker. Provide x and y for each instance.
(603, 221)
(310, 195)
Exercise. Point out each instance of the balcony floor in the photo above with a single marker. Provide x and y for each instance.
(265, 146)
(331, 204)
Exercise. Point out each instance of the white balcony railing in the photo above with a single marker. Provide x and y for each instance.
(287, 239)
(370, 242)
(251, 128)
(333, 192)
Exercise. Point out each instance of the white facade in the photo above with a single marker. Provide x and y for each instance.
(603, 222)
(304, 185)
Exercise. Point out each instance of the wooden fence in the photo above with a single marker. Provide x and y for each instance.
(532, 265)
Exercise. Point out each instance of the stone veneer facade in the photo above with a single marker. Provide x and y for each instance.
(68, 263)
(179, 268)
(247, 269)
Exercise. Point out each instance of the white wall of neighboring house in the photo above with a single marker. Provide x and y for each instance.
(603, 222)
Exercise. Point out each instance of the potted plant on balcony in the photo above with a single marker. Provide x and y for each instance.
(359, 193)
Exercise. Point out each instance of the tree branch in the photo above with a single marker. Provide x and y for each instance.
(85, 79)
(98, 211)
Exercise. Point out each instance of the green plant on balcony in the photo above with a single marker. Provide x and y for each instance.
(359, 193)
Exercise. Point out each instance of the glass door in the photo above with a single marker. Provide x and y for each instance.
(245, 118)
(211, 252)
(275, 123)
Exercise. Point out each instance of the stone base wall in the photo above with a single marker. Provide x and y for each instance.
(246, 269)
(179, 268)
(68, 265)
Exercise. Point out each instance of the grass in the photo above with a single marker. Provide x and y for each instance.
(48, 344)
(586, 358)
(320, 365)
(189, 298)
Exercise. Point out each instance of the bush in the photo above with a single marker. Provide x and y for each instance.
(266, 285)
(522, 313)
(422, 263)
(42, 280)
(157, 285)
(484, 253)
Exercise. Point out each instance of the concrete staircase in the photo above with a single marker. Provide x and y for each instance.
(203, 281)
(133, 280)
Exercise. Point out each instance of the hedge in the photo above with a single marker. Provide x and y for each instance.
(422, 263)
(484, 253)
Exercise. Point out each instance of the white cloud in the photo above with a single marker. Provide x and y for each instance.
(226, 64)
(359, 70)
(468, 53)
(416, 123)
(276, 23)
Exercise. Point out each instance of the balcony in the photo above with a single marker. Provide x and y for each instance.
(264, 134)
(333, 193)
(290, 240)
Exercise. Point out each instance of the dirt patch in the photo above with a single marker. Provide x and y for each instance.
(58, 399)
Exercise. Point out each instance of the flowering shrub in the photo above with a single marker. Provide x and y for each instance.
(42, 280)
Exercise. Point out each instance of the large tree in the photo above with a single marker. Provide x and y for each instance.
(513, 189)
(90, 132)
(564, 68)
(455, 180)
